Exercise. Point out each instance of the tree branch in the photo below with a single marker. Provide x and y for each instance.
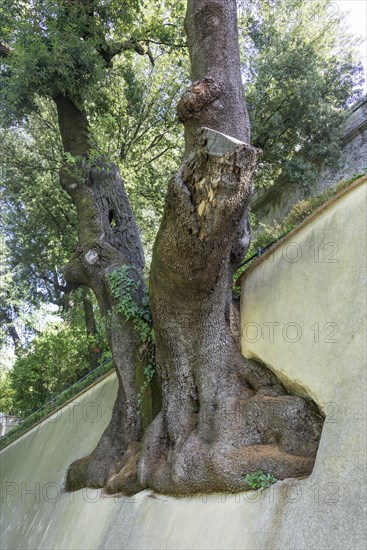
(11, 330)
(183, 45)
(111, 51)
(4, 50)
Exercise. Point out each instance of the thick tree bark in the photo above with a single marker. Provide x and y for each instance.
(218, 417)
(108, 238)
(11, 330)
(215, 99)
(91, 328)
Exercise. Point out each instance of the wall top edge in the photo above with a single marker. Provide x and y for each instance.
(306, 221)
(74, 398)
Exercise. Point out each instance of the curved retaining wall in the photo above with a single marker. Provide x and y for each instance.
(302, 314)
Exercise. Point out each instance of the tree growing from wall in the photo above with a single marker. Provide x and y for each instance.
(216, 419)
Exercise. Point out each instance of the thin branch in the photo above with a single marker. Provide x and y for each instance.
(183, 45)
(4, 51)
(111, 51)
(136, 166)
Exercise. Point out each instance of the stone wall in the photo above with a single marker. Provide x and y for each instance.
(354, 154)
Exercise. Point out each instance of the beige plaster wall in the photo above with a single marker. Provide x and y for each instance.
(35, 512)
(322, 512)
(303, 313)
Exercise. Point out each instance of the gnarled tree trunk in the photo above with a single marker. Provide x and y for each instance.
(218, 417)
(108, 238)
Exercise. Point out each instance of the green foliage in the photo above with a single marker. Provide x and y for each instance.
(7, 393)
(125, 289)
(259, 480)
(56, 402)
(54, 46)
(302, 70)
(60, 47)
(38, 239)
(10, 300)
(37, 222)
(55, 359)
(138, 130)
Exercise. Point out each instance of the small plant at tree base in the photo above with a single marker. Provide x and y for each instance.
(259, 480)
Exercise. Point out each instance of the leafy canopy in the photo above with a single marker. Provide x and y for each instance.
(55, 359)
(301, 72)
(66, 46)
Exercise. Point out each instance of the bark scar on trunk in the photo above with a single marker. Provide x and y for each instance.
(200, 94)
(216, 178)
